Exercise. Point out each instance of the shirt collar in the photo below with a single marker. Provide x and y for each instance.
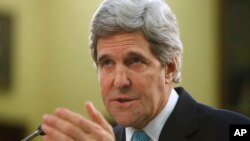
(153, 129)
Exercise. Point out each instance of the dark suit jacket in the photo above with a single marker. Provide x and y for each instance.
(192, 121)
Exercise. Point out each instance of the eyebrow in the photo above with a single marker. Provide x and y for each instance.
(130, 54)
(102, 57)
(135, 54)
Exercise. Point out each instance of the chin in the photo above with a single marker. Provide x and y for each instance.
(124, 121)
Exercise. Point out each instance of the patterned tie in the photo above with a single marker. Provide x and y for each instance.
(140, 136)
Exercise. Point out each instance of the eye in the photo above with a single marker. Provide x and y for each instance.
(135, 60)
(106, 63)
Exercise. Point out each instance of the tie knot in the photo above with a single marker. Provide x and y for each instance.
(140, 136)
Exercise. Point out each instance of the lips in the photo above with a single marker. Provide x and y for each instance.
(122, 101)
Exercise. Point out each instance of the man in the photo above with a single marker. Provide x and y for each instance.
(136, 47)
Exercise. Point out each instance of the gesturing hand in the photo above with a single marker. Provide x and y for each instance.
(66, 125)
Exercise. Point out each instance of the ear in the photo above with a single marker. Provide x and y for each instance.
(170, 70)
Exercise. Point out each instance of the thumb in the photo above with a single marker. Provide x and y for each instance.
(97, 117)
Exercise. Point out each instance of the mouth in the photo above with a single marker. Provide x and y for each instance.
(123, 101)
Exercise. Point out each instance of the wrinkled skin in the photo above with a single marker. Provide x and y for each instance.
(135, 86)
(133, 81)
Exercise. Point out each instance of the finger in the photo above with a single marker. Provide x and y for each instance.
(52, 134)
(86, 125)
(94, 131)
(97, 117)
(64, 127)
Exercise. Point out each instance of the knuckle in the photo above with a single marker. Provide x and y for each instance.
(79, 121)
(68, 139)
(68, 128)
(101, 136)
(99, 113)
(108, 127)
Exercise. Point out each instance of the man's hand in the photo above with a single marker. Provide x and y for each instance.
(66, 125)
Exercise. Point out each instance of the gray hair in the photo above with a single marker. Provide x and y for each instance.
(153, 18)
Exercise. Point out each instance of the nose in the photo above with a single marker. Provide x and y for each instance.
(121, 79)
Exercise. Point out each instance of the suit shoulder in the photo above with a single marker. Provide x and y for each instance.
(214, 124)
(221, 116)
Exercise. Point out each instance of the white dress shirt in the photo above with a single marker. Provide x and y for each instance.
(153, 129)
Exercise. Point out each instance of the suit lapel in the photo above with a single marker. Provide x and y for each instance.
(120, 133)
(182, 122)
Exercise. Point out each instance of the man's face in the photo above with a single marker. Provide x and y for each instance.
(133, 83)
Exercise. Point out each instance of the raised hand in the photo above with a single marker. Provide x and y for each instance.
(66, 125)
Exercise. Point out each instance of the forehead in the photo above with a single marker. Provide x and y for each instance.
(122, 42)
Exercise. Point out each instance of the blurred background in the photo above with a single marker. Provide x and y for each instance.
(45, 61)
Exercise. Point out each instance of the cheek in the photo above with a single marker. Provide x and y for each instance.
(104, 92)
(105, 85)
(151, 83)
(144, 89)
(151, 87)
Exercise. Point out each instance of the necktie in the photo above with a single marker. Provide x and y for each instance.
(140, 136)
